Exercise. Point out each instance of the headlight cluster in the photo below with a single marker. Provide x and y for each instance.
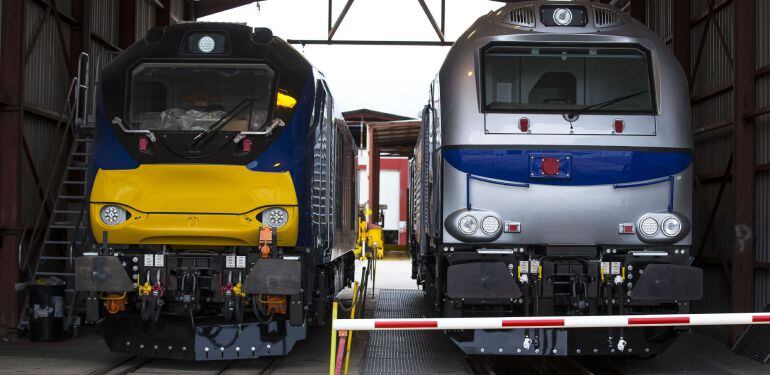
(275, 217)
(474, 225)
(113, 215)
(662, 227)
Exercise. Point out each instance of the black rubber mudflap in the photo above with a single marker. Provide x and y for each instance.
(755, 342)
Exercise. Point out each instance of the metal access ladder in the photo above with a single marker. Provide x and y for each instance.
(52, 248)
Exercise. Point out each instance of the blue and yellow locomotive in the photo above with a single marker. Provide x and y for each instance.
(220, 196)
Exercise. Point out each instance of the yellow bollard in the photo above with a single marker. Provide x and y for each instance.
(333, 354)
(350, 334)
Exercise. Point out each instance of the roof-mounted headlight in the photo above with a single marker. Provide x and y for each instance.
(206, 44)
(562, 16)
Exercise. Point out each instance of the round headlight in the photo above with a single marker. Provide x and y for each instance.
(649, 226)
(468, 224)
(275, 217)
(490, 225)
(671, 226)
(112, 215)
(206, 44)
(562, 16)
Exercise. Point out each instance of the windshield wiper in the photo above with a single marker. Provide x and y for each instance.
(205, 134)
(574, 114)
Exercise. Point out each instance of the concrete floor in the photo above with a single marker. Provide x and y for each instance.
(86, 355)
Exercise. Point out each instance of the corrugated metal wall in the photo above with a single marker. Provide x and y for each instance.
(145, 17)
(46, 80)
(104, 19)
(713, 115)
(48, 73)
(659, 17)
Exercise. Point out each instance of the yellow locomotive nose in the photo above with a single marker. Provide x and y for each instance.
(183, 204)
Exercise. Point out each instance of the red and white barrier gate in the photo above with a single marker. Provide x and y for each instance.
(604, 321)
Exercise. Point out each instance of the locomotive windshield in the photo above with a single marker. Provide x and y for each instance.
(566, 79)
(193, 96)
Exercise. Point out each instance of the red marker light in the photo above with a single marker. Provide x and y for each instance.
(550, 166)
(511, 227)
(143, 144)
(626, 229)
(246, 145)
(619, 126)
(524, 124)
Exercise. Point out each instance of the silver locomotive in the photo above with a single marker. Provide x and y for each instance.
(553, 176)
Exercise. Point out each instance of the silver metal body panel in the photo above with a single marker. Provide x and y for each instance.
(566, 215)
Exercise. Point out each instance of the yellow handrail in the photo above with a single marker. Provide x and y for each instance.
(333, 351)
(350, 333)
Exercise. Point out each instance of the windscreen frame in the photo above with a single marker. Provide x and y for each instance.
(481, 81)
(129, 87)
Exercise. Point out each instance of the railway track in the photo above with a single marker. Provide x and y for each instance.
(544, 366)
(136, 365)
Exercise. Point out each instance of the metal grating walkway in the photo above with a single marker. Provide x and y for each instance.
(755, 342)
(409, 352)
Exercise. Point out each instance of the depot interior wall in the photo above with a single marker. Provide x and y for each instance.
(713, 69)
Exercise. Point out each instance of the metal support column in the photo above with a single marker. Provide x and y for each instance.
(374, 176)
(11, 114)
(163, 14)
(744, 140)
(127, 23)
(639, 10)
(81, 32)
(681, 35)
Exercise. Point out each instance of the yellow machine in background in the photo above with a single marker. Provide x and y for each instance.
(369, 239)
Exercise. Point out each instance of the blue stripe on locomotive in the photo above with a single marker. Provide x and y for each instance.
(291, 152)
(588, 167)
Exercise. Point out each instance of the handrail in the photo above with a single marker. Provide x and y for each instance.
(70, 110)
(67, 111)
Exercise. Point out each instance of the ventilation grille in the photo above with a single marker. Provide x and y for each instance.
(604, 17)
(524, 16)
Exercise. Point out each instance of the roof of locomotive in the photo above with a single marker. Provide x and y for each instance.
(528, 17)
(240, 42)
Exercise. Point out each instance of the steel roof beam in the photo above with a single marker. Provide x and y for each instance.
(439, 31)
(333, 29)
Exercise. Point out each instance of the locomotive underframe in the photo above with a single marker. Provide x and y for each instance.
(201, 308)
(560, 281)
